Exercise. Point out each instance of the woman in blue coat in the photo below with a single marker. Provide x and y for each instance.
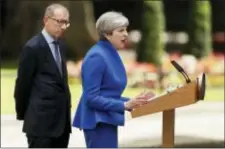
(101, 107)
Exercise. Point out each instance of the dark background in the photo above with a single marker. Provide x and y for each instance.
(176, 16)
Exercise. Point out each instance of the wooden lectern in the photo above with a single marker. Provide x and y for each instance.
(188, 94)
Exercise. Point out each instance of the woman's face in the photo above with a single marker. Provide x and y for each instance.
(118, 37)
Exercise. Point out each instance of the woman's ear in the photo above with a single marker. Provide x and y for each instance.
(107, 36)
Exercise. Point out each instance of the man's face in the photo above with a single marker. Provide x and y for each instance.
(58, 23)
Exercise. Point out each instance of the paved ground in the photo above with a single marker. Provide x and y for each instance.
(200, 123)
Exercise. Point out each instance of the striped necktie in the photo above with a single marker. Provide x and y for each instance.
(57, 56)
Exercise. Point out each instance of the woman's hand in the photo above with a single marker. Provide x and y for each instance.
(139, 100)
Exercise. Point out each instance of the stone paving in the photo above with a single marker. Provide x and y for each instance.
(199, 123)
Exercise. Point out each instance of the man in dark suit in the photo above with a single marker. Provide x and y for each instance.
(42, 95)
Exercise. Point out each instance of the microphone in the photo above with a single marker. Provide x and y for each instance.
(181, 70)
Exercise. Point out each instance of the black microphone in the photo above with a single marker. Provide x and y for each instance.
(181, 70)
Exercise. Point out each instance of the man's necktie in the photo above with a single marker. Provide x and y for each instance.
(57, 56)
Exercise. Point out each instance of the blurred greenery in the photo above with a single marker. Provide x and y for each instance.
(23, 19)
(7, 87)
(151, 47)
(200, 42)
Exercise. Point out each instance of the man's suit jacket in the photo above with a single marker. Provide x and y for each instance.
(42, 95)
(103, 81)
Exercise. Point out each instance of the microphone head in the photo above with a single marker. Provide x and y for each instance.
(177, 66)
(181, 70)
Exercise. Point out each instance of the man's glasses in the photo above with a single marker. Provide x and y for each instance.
(61, 22)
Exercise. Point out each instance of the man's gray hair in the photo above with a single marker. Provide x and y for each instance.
(49, 11)
(109, 21)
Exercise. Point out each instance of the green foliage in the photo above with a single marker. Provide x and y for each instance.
(150, 48)
(199, 29)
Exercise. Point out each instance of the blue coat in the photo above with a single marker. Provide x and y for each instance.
(103, 81)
